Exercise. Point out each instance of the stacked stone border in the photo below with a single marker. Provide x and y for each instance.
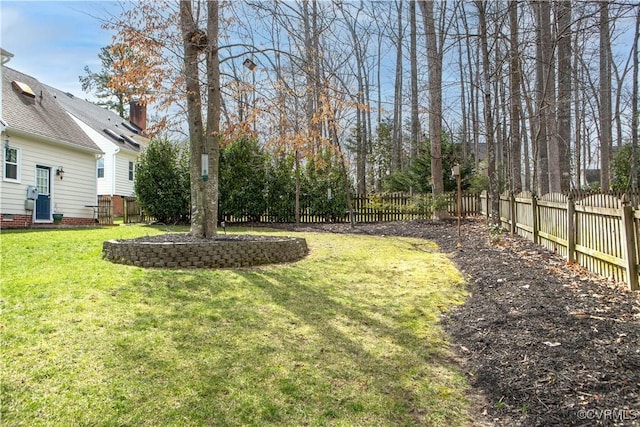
(206, 254)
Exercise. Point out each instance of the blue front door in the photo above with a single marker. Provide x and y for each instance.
(43, 202)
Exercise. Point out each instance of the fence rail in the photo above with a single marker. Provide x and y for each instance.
(600, 232)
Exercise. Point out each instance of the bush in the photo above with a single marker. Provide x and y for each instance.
(243, 183)
(281, 189)
(162, 182)
(621, 167)
(323, 188)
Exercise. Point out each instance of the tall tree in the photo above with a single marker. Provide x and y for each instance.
(606, 134)
(204, 141)
(413, 55)
(396, 160)
(564, 92)
(634, 107)
(115, 59)
(434, 63)
(494, 192)
(548, 105)
(514, 99)
(541, 169)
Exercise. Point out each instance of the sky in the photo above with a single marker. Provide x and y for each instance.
(54, 40)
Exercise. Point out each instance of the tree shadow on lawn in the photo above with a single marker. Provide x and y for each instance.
(268, 348)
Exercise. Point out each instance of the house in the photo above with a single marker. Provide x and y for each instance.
(121, 141)
(48, 162)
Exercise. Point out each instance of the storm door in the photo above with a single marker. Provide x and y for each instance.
(43, 202)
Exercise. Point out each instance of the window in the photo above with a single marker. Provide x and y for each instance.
(130, 171)
(101, 167)
(11, 164)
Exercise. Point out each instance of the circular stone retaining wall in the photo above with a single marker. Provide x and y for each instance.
(215, 253)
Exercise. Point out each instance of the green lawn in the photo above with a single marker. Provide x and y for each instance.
(348, 336)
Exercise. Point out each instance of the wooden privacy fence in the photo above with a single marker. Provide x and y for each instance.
(132, 213)
(598, 231)
(104, 211)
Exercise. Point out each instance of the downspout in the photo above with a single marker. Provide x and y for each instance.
(113, 172)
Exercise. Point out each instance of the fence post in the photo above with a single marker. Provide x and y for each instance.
(571, 232)
(534, 216)
(125, 209)
(512, 212)
(628, 236)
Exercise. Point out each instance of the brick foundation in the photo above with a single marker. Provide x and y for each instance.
(210, 254)
(26, 221)
(15, 221)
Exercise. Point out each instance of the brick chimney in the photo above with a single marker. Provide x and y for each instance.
(138, 114)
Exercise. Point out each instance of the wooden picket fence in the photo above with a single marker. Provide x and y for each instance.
(600, 232)
(368, 208)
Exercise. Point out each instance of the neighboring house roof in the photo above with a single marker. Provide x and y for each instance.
(121, 132)
(31, 109)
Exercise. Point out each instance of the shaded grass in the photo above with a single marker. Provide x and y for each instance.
(347, 336)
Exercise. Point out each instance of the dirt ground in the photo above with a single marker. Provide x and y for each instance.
(542, 343)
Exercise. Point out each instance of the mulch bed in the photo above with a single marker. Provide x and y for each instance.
(544, 343)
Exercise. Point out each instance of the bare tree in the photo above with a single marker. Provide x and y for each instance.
(396, 160)
(634, 107)
(605, 97)
(494, 193)
(564, 92)
(204, 143)
(434, 62)
(514, 99)
(413, 54)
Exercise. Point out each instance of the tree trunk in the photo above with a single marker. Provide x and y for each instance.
(541, 170)
(473, 98)
(564, 93)
(605, 98)
(212, 137)
(396, 161)
(634, 108)
(413, 55)
(434, 61)
(549, 96)
(464, 137)
(204, 193)
(491, 149)
(514, 100)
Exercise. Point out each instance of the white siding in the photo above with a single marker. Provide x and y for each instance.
(124, 187)
(68, 195)
(116, 164)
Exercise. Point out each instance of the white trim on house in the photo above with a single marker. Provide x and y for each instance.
(18, 178)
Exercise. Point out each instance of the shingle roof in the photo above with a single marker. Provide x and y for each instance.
(99, 118)
(42, 115)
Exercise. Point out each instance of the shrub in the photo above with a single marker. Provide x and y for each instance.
(281, 189)
(162, 182)
(323, 188)
(243, 183)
